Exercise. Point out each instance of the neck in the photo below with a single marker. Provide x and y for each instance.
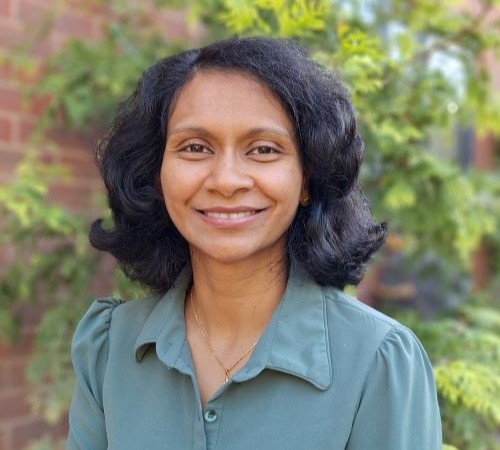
(237, 300)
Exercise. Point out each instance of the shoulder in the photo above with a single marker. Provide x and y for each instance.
(109, 313)
(345, 311)
(367, 333)
(90, 345)
(104, 312)
(381, 364)
(94, 325)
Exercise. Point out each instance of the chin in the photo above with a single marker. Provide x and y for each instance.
(233, 254)
(228, 257)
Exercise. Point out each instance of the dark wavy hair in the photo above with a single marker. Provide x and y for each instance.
(332, 237)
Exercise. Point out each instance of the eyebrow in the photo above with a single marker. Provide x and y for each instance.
(249, 134)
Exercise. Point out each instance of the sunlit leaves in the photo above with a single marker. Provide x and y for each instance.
(285, 18)
(51, 264)
(465, 351)
(475, 386)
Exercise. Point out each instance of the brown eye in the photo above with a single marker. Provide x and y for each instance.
(263, 150)
(196, 148)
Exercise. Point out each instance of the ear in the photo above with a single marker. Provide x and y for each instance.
(304, 190)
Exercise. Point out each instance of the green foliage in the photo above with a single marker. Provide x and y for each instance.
(401, 94)
(48, 443)
(51, 265)
(36, 268)
(475, 386)
(286, 18)
(84, 83)
(465, 351)
(401, 64)
(89, 78)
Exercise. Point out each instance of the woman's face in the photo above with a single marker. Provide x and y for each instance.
(231, 174)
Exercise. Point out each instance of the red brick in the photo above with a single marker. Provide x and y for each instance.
(6, 132)
(29, 315)
(14, 404)
(5, 72)
(75, 198)
(5, 439)
(174, 24)
(38, 104)
(101, 286)
(80, 162)
(32, 11)
(43, 48)
(94, 8)
(12, 373)
(481, 268)
(61, 428)
(5, 10)
(24, 130)
(9, 160)
(67, 139)
(28, 431)
(36, 428)
(484, 149)
(73, 24)
(84, 172)
(7, 254)
(22, 347)
(11, 34)
(10, 99)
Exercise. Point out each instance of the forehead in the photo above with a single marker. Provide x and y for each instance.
(229, 97)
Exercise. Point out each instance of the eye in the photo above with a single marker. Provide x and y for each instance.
(264, 150)
(196, 148)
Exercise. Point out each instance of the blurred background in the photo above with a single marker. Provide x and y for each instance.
(424, 76)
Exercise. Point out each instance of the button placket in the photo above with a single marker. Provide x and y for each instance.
(212, 420)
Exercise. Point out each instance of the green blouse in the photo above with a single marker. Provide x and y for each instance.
(328, 373)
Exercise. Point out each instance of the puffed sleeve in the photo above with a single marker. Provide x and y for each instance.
(398, 408)
(89, 352)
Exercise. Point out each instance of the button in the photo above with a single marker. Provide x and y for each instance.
(210, 416)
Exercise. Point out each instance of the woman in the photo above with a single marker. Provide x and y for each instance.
(232, 177)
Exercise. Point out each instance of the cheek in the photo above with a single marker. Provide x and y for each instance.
(169, 180)
(179, 183)
(290, 186)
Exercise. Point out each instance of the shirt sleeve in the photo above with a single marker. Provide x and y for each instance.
(398, 408)
(89, 353)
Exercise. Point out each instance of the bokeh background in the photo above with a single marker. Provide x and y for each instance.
(424, 76)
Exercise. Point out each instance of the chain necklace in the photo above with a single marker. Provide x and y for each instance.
(227, 370)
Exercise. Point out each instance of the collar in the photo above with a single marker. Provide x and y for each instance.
(294, 342)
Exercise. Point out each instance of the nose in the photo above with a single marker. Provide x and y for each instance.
(229, 174)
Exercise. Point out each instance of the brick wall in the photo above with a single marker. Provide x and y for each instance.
(18, 426)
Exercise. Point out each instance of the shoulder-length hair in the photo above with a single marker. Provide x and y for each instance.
(332, 237)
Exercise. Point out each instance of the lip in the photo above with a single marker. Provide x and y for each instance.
(229, 210)
(229, 217)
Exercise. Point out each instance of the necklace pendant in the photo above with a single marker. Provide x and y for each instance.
(227, 371)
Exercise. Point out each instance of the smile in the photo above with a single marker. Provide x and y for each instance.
(229, 216)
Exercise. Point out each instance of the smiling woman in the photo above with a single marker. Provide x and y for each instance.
(231, 175)
(232, 178)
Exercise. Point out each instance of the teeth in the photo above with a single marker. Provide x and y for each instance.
(229, 216)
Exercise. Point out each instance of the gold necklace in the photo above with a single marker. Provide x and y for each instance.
(229, 369)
